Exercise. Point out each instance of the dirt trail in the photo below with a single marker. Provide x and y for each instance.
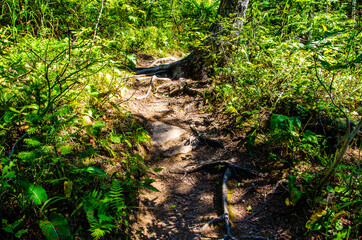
(186, 202)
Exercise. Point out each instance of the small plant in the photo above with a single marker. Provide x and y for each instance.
(294, 191)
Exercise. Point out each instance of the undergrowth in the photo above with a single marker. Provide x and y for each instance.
(69, 156)
(297, 90)
(70, 166)
(68, 148)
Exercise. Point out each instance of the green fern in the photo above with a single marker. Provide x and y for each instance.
(117, 198)
(97, 233)
(99, 213)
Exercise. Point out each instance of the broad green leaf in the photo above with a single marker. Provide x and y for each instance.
(95, 170)
(56, 227)
(115, 139)
(132, 60)
(35, 193)
(66, 149)
(157, 169)
(310, 136)
(295, 195)
(147, 184)
(19, 233)
(98, 124)
(8, 117)
(275, 121)
(313, 223)
(294, 124)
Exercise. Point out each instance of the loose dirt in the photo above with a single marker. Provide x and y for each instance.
(186, 202)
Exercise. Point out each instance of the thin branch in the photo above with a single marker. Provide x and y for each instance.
(330, 94)
(13, 148)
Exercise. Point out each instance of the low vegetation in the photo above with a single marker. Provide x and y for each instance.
(69, 159)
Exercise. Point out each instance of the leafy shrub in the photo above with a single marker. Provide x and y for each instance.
(294, 69)
(54, 129)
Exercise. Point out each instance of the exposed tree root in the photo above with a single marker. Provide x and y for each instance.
(253, 237)
(163, 60)
(208, 141)
(166, 85)
(218, 163)
(225, 216)
(164, 69)
(193, 66)
(227, 176)
(231, 169)
(280, 182)
(185, 89)
(149, 89)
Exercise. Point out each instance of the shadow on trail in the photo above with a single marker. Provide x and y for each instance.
(186, 202)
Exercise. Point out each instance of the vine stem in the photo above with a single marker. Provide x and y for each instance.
(13, 148)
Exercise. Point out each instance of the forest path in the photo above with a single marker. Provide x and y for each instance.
(186, 202)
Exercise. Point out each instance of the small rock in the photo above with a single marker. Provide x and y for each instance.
(163, 133)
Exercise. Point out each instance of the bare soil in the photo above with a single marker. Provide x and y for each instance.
(186, 202)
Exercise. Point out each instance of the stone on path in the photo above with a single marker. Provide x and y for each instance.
(163, 133)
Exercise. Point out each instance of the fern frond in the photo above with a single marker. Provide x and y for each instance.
(105, 218)
(116, 195)
(91, 204)
(97, 233)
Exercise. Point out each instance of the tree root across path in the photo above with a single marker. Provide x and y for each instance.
(149, 89)
(226, 163)
(172, 70)
(231, 169)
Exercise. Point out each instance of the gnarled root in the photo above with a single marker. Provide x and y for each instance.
(149, 89)
(225, 216)
(233, 167)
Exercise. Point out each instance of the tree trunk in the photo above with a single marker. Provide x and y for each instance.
(199, 63)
